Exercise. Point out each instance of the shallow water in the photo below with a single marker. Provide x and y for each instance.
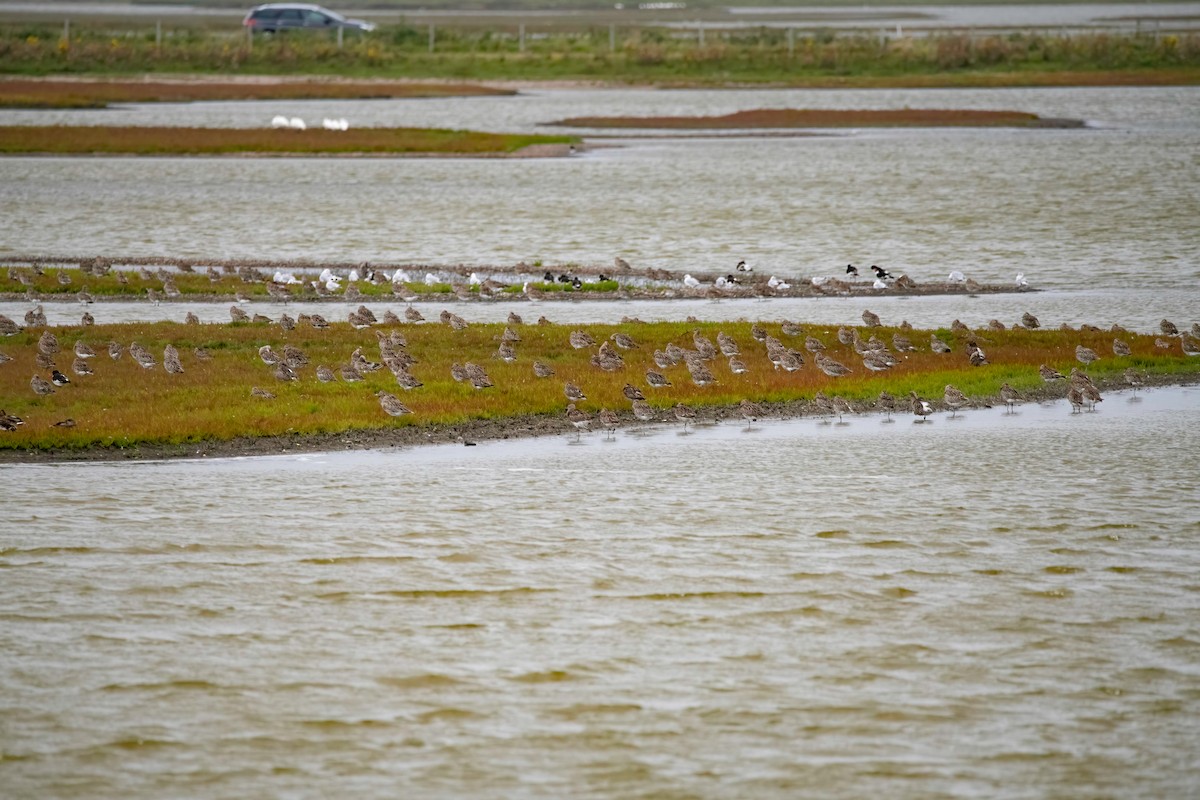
(999, 605)
(1021, 16)
(1110, 207)
(1135, 310)
(994, 604)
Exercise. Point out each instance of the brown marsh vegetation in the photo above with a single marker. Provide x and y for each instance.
(25, 93)
(828, 118)
(147, 141)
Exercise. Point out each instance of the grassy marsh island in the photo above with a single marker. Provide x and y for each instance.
(27, 93)
(831, 118)
(593, 53)
(224, 398)
(149, 141)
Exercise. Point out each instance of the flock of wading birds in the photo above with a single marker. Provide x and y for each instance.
(393, 354)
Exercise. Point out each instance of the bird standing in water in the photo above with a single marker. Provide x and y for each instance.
(750, 411)
(920, 407)
(579, 419)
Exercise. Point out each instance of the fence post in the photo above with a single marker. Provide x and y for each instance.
(791, 42)
(158, 34)
(431, 37)
(701, 37)
(341, 33)
(612, 38)
(67, 31)
(522, 37)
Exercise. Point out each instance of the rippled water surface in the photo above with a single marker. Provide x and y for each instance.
(997, 605)
(1136, 310)
(989, 605)
(1111, 206)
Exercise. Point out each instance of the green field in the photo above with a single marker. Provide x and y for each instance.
(596, 53)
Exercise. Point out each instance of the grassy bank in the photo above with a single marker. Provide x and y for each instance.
(123, 404)
(85, 140)
(25, 93)
(760, 55)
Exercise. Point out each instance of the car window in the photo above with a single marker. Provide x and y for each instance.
(290, 15)
(316, 18)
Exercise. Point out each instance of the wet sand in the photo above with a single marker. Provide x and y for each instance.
(414, 435)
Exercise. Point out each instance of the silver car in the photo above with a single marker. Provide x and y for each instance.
(275, 17)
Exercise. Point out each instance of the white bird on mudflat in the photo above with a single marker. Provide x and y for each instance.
(1021, 282)
(956, 277)
(475, 279)
(742, 266)
(776, 283)
(691, 282)
(297, 124)
(279, 121)
(354, 276)
(325, 275)
(400, 276)
(878, 284)
(286, 277)
(721, 282)
(332, 284)
(429, 279)
(335, 124)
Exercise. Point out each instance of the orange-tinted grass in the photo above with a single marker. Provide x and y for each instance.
(17, 92)
(819, 118)
(124, 404)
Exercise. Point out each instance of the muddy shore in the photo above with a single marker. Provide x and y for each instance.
(408, 436)
(631, 293)
(636, 283)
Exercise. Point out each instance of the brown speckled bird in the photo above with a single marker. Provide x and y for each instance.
(391, 404)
